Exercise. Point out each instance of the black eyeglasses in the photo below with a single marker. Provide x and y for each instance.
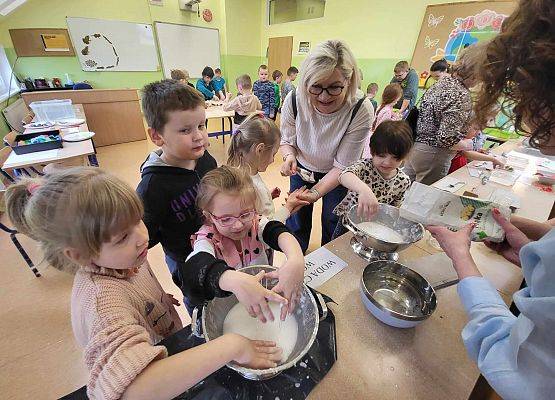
(331, 90)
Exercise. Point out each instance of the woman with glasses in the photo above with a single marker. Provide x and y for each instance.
(324, 128)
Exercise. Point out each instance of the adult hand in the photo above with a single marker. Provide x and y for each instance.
(514, 239)
(293, 203)
(455, 244)
(308, 195)
(289, 166)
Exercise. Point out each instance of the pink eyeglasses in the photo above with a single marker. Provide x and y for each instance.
(229, 220)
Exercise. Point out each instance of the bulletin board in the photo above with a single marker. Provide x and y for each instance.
(41, 42)
(109, 45)
(449, 28)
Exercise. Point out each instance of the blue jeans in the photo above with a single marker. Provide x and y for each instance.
(301, 222)
(172, 265)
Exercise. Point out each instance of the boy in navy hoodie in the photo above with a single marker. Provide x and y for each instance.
(264, 90)
(170, 175)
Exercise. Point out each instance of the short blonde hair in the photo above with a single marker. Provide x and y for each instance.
(245, 81)
(252, 131)
(322, 61)
(179, 74)
(79, 208)
(227, 180)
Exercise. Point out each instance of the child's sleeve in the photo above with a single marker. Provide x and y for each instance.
(358, 168)
(154, 213)
(118, 350)
(199, 276)
(269, 232)
(231, 105)
(204, 90)
(272, 99)
(400, 192)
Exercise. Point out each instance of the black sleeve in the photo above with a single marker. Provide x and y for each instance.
(154, 213)
(271, 233)
(199, 277)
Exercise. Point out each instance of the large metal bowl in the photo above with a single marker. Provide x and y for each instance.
(389, 216)
(306, 314)
(397, 295)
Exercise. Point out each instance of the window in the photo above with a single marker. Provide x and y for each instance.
(280, 11)
(8, 82)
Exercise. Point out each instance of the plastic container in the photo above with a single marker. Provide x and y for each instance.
(32, 148)
(52, 110)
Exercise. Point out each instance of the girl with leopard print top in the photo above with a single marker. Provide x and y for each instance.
(378, 179)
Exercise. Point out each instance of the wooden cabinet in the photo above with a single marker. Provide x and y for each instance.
(113, 114)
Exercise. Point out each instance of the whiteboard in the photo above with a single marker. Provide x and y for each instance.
(103, 45)
(187, 47)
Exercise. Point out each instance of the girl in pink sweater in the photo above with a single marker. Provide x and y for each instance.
(392, 93)
(90, 223)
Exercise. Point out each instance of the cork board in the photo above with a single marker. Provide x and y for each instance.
(41, 42)
(449, 28)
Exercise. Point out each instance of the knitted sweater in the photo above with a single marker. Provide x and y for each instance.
(118, 319)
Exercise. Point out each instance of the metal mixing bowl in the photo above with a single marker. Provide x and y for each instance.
(306, 314)
(396, 295)
(389, 216)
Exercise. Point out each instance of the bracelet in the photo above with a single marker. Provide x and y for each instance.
(316, 192)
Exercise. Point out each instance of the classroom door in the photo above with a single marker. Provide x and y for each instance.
(279, 54)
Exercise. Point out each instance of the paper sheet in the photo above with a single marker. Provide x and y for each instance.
(450, 184)
(320, 266)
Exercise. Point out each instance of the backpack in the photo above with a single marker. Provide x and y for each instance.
(355, 109)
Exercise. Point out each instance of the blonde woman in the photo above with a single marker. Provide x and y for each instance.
(325, 135)
(442, 122)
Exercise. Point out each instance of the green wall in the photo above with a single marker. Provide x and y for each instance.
(379, 32)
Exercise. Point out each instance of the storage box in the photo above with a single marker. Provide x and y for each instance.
(52, 110)
(31, 148)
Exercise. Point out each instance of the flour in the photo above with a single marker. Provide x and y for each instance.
(381, 232)
(283, 333)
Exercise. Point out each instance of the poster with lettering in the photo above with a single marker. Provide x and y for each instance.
(320, 266)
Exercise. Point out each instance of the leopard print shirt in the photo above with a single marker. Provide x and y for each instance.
(388, 191)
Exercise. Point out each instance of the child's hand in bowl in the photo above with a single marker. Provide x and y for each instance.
(290, 283)
(367, 204)
(256, 354)
(251, 293)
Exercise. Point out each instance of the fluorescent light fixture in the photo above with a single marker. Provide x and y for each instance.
(7, 6)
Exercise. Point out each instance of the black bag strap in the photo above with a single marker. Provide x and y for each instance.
(353, 114)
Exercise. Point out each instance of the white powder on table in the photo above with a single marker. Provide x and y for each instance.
(381, 232)
(283, 333)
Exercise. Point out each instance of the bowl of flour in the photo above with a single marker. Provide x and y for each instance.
(386, 231)
(295, 335)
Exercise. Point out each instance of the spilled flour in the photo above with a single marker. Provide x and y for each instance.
(283, 333)
(381, 232)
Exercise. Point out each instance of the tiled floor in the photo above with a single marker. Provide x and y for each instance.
(39, 357)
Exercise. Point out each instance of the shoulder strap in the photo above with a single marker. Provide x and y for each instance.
(356, 108)
(294, 103)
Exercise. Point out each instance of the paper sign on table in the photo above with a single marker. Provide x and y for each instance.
(320, 266)
(450, 184)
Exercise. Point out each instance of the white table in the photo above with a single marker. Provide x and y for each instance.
(217, 112)
(68, 151)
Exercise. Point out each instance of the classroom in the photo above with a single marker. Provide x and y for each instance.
(277, 199)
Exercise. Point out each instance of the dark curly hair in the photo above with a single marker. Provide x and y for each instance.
(517, 71)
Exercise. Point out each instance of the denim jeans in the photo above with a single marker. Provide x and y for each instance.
(301, 222)
(172, 265)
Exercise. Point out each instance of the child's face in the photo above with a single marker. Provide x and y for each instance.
(292, 77)
(231, 217)
(279, 79)
(386, 164)
(371, 94)
(263, 75)
(266, 157)
(472, 132)
(184, 136)
(217, 75)
(126, 249)
(206, 79)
